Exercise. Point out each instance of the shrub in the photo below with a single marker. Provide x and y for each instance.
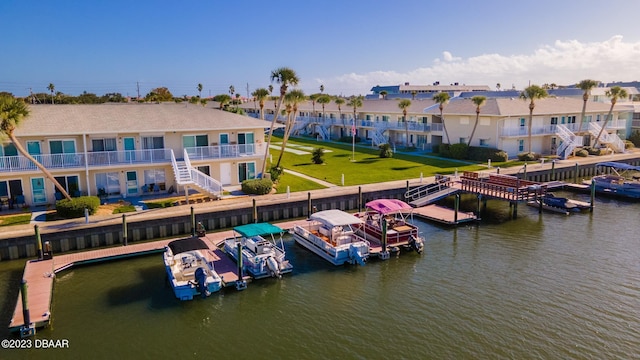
(594, 151)
(74, 208)
(528, 156)
(458, 151)
(635, 138)
(443, 150)
(159, 204)
(482, 154)
(275, 172)
(257, 186)
(629, 144)
(582, 153)
(124, 209)
(317, 156)
(385, 151)
(349, 139)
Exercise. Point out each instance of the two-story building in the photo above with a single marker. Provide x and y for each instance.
(120, 150)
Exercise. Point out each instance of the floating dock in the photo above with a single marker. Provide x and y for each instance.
(443, 215)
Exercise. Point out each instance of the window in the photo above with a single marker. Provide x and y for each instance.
(598, 117)
(108, 183)
(195, 140)
(154, 176)
(522, 122)
(246, 171)
(563, 120)
(462, 140)
(520, 145)
(245, 141)
(70, 183)
(571, 119)
(554, 120)
(152, 142)
(484, 142)
(224, 139)
(104, 144)
(204, 169)
(33, 148)
(62, 146)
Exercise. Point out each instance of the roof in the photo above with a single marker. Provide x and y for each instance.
(66, 119)
(388, 206)
(188, 244)
(335, 218)
(250, 230)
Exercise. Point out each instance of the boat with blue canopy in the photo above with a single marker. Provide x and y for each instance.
(618, 179)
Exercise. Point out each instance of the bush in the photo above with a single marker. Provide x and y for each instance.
(482, 154)
(635, 138)
(74, 208)
(317, 156)
(275, 172)
(385, 151)
(159, 204)
(594, 151)
(257, 186)
(528, 156)
(458, 151)
(629, 144)
(582, 153)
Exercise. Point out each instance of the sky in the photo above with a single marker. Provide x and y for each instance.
(348, 46)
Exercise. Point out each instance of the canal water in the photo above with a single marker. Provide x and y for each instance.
(544, 286)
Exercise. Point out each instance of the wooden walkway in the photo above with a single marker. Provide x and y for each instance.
(443, 215)
(39, 274)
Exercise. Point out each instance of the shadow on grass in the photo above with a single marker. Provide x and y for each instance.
(404, 167)
(341, 155)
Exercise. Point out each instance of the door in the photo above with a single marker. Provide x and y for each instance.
(129, 147)
(224, 145)
(132, 182)
(225, 173)
(37, 191)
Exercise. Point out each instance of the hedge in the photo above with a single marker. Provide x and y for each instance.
(74, 208)
(257, 186)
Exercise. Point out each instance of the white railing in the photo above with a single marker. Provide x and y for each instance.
(220, 151)
(206, 182)
(612, 139)
(324, 134)
(377, 138)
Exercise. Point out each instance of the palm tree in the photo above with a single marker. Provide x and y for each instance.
(355, 102)
(285, 77)
(339, 102)
(321, 89)
(293, 98)
(441, 99)
(323, 99)
(200, 90)
(313, 98)
(51, 87)
(403, 105)
(261, 95)
(614, 93)
(223, 99)
(12, 112)
(498, 86)
(478, 101)
(384, 94)
(532, 93)
(586, 86)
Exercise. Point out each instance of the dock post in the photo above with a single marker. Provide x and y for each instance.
(384, 254)
(308, 205)
(593, 194)
(515, 209)
(478, 206)
(498, 170)
(407, 186)
(193, 222)
(539, 193)
(575, 175)
(27, 329)
(36, 228)
(456, 206)
(240, 284)
(359, 199)
(255, 211)
(524, 173)
(553, 170)
(124, 229)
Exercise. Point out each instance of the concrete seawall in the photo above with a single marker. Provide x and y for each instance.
(73, 235)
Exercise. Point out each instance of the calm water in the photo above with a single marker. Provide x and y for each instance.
(548, 287)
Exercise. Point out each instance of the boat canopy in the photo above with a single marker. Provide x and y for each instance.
(619, 165)
(388, 206)
(250, 230)
(335, 218)
(188, 244)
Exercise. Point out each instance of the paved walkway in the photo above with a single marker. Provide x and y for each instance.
(321, 182)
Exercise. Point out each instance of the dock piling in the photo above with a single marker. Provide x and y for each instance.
(308, 204)
(27, 329)
(456, 206)
(193, 222)
(384, 254)
(359, 199)
(255, 211)
(36, 228)
(553, 170)
(241, 284)
(593, 194)
(575, 175)
(124, 229)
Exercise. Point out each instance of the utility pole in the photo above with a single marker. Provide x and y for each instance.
(247, 91)
(138, 86)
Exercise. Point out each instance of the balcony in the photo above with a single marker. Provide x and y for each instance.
(220, 151)
(521, 131)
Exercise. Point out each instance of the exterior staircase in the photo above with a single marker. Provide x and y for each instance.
(323, 132)
(612, 140)
(188, 176)
(570, 141)
(427, 194)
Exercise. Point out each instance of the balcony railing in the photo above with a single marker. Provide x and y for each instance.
(115, 158)
(552, 129)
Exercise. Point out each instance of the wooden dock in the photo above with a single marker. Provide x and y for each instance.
(40, 274)
(443, 215)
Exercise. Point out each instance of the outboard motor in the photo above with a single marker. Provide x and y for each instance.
(201, 282)
(356, 255)
(416, 244)
(273, 266)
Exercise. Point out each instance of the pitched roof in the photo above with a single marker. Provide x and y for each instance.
(112, 118)
(518, 107)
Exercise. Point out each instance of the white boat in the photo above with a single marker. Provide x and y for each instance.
(330, 234)
(261, 257)
(190, 270)
(397, 217)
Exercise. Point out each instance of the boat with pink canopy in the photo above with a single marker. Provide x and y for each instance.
(393, 218)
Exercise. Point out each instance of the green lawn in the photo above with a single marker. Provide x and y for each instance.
(295, 183)
(15, 220)
(368, 167)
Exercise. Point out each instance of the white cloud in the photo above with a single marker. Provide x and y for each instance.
(563, 63)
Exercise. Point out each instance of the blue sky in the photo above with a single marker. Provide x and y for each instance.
(348, 46)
